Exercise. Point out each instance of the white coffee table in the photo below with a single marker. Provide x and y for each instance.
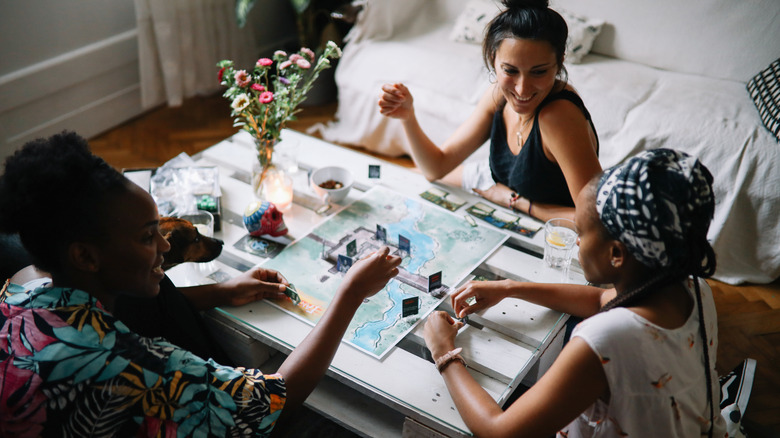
(402, 393)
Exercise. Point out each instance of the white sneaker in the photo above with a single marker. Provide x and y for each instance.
(735, 390)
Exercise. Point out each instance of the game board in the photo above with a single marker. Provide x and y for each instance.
(441, 242)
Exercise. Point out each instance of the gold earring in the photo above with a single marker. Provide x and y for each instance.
(614, 263)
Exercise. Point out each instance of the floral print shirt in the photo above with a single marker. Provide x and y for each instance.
(69, 368)
(656, 376)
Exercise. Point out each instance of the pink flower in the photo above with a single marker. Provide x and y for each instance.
(242, 78)
(295, 57)
(280, 53)
(308, 52)
(258, 87)
(266, 97)
(264, 62)
(284, 65)
(302, 63)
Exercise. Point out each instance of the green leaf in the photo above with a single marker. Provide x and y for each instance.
(242, 10)
(300, 5)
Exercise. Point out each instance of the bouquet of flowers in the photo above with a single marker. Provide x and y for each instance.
(264, 99)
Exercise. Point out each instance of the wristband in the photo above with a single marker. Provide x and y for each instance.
(512, 198)
(448, 358)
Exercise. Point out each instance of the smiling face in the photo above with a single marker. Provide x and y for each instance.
(131, 255)
(595, 244)
(526, 72)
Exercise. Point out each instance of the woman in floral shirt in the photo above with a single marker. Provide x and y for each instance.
(69, 368)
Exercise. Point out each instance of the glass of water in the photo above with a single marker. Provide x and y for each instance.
(560, 235)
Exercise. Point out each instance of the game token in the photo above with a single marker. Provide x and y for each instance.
(410, 306)
(381, 233)
(373, 171)
(293, 294)
(434, 281)
(343, 263)
(404, 245)
(470, 220)
(352, 249)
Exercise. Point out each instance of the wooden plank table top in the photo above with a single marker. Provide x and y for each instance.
(502, 345)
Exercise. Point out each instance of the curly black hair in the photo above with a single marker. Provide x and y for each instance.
(52, 193)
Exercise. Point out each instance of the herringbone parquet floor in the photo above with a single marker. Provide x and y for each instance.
(748, 316)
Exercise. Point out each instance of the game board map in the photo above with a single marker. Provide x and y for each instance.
(503, 220)
(442, 245)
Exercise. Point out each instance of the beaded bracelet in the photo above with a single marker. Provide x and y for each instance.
(512, 198)
(448, 358)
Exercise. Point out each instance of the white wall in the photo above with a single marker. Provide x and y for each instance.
(66, 64)
(73, 64)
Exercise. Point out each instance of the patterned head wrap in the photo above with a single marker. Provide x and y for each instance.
(659, 204)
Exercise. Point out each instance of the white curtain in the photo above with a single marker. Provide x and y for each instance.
(180, 43)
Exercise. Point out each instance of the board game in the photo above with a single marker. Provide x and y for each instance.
(443, 249)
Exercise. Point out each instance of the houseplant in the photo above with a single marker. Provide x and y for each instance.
(266, 98)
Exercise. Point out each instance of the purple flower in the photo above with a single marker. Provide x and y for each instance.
(284, 80)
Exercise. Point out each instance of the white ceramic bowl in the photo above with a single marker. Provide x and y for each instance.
(335, 173)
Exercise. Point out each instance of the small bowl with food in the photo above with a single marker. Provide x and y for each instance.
(332, 183)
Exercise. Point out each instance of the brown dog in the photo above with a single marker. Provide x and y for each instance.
(187, 244)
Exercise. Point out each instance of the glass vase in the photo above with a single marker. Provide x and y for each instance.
(262, 167)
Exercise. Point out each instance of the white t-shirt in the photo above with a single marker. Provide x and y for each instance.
(656, 376)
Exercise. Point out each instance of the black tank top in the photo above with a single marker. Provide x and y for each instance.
(530, 173)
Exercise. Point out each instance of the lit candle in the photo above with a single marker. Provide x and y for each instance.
(278, 189)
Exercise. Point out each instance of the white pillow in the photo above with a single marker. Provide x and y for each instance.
(470, 28)
(471, 23)
(582, 33)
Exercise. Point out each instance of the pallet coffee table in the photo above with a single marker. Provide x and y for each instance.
(400, 392)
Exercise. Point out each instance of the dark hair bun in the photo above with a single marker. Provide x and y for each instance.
(525, 4)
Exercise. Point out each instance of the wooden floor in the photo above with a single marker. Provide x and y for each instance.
(749, 316)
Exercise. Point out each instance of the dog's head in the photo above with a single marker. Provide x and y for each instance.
(187, 244)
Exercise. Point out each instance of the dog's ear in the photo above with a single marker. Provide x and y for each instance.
(83, 256)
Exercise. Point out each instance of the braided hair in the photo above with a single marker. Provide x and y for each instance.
(659, 204)
(526, 19)
(52, 193)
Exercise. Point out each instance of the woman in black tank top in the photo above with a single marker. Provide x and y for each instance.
(543, 145)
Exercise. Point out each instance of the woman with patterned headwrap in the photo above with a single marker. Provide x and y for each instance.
(642, 362)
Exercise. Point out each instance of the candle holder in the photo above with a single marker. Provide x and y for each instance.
(278, 189)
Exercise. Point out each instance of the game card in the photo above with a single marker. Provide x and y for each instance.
(443, 198)
(507, 221)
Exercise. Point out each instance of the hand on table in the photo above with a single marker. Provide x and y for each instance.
(439, 333)
(253, 285)
(396, 101)
(498, 194)
(485, 294)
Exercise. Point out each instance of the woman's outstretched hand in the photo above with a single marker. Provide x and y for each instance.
(439, 333)
(396, 101)
(370, 274)
(484, 294)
